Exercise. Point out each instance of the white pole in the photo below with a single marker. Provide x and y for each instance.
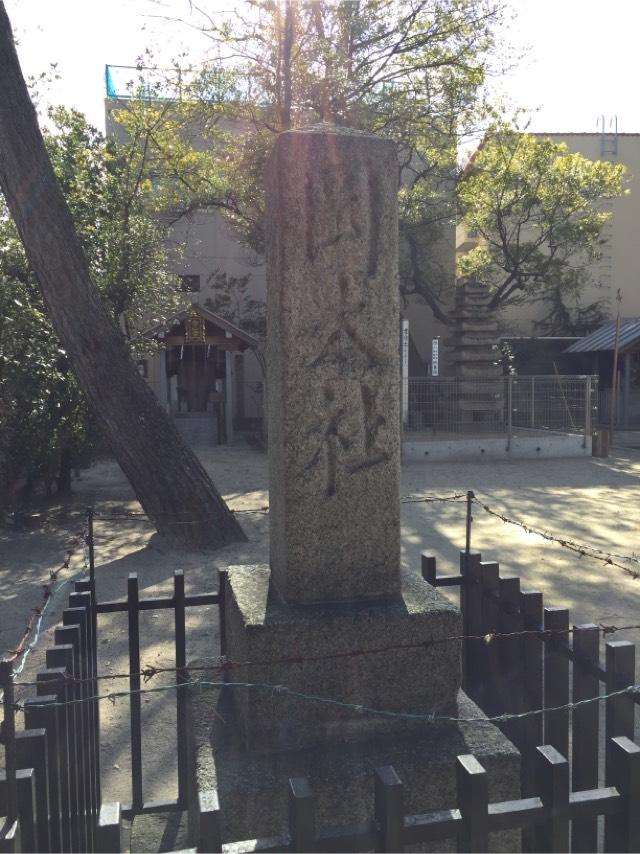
(228, 394)
(405, 369)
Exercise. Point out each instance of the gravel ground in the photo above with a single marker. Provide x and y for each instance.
(589, 500)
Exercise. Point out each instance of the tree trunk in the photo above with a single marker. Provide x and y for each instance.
(64, 473)
(170, 483)
(287, 71)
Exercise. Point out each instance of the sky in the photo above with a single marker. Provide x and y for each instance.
(580, 57)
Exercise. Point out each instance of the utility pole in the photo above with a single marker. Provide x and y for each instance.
(614, 378)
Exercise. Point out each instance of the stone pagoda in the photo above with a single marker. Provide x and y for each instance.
(474, 357)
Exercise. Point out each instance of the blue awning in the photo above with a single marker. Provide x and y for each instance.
(605, 337)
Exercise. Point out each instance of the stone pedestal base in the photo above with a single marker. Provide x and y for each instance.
(253, 787)
(381, 655)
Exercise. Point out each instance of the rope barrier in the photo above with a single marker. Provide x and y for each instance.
(223, 663)
(37, 613)
(566, 542)
(433, 716)
(134, 516)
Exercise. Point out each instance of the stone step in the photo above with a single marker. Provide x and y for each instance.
(198, 431)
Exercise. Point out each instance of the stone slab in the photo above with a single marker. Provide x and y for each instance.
(333, 365)
(252, 788)
(460, 448)
(261, 628)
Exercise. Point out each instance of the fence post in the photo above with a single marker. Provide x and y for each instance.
(531, 608)
(584, 764)
(61, 658)
(389, 809)
(511, 658)
(490, 583)
(11, 841)
(587, 410)
(622, 831)
(92, 567)
(556, 679)
(90, 588)
(41, 712)
(209, 836)
(552, 833)
(428, 567)
(509, 411)
(181, 693)
(31, 752)
(9, 737)
(222, 603)
(470, 497)
(302, 819)
(473, 803)
(533, 402)
(53, 682)
(109, 827)
(78, 617)
(27, 814)
(620, 660)
(134, 687)
(471, 607)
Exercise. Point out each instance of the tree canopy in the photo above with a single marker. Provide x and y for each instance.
(46, 425)
(414, 71)
(537, 211)
(411, 70)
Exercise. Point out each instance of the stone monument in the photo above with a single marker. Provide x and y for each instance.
(331, 616)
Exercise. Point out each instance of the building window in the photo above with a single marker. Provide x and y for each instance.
(189, 283)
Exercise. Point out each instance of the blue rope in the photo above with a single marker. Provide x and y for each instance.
(427, 717)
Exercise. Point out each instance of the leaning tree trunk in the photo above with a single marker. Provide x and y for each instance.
(168, 480)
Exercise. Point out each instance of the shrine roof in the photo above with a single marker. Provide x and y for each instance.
(210, 316)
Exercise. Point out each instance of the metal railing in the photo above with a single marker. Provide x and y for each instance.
(127, 82)
(502, 406)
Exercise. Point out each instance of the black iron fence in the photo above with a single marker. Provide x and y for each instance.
(520, 657)
(539, 678)
(546, 816)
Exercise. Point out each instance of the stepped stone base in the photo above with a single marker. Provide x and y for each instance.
(253, 787)
(261, 628)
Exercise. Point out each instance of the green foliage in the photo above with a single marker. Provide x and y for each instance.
(45, 425)
(410, 70)
(537, 211)
(231, 298)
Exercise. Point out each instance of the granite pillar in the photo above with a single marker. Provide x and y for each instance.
(333, 365)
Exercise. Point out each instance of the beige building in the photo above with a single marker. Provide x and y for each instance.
(619, 266)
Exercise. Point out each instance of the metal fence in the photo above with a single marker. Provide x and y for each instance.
(520, 655)
(512, 405)
(521, 660)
